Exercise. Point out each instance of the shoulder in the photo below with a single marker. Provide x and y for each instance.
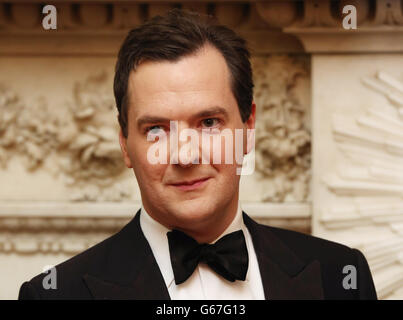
(337, 261)
(306, 247)
(309, 247)
(69, 274)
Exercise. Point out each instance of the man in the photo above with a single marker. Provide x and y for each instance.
(190, 239)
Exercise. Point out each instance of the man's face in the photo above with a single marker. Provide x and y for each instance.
(195, 92)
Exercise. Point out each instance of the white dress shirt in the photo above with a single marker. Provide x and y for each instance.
(204, 283)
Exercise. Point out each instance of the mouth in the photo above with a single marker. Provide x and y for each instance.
(190, 185)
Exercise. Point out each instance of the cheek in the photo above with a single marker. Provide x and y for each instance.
(228, 173)
(150, 179)
(226, 183)
(146, 172)
(228, 178)
(229, 152)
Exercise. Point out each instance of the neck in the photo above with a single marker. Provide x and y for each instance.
(212, 229)
(208, 230)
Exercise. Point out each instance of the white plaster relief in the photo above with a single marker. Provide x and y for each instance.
(283, 157)
(371, 177)
(79, 142)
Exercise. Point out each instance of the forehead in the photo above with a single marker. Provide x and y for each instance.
(196, 81)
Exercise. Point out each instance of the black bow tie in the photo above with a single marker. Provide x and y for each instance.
(228, 256)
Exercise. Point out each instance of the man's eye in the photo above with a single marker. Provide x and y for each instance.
(210, 122)
(154, 129)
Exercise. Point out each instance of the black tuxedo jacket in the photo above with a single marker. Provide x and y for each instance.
(292, 266)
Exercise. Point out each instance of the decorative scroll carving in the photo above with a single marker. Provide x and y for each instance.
(84, 139)
(282, 130)
(372, 179)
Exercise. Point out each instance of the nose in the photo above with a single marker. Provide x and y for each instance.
(188, 146)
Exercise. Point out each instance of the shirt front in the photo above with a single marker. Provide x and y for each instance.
(204, 283)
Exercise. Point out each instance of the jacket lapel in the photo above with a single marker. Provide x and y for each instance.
(284, 275)
(130, 270)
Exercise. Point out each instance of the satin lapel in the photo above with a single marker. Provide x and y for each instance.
(130, 270)
(284, 275)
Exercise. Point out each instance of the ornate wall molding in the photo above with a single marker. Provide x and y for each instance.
(283, 139)
(82, 137)
(99, 27)
(85, 26)
(35, 227)
(318, 24)
(371, 178)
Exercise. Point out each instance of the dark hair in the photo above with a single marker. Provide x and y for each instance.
(174, 35)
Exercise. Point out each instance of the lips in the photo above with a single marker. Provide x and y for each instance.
(190, 185)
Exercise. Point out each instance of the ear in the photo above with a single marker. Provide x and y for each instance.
(250, 124)
(123, 147)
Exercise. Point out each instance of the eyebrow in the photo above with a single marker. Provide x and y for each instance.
(149, 119)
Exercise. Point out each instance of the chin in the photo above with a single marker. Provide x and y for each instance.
(193, 211)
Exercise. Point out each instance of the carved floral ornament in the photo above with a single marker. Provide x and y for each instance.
(81, 139)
